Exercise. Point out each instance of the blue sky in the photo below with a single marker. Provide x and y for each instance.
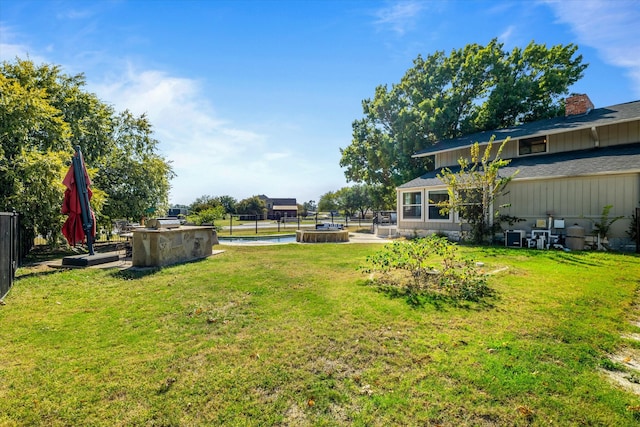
(257, 97)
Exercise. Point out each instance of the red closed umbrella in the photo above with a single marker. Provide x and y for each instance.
(80, 223)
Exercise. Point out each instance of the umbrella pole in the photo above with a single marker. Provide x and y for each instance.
(83, 193)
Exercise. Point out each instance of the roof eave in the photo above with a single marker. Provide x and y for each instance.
(550, 132)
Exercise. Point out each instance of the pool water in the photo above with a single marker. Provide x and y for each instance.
(257, 240)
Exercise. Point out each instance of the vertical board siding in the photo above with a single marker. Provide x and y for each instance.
(622, 133)
(579, 199)
(573, 196)
(571, 141)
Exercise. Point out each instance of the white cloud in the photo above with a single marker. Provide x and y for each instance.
(212, 155)
(506, 35)
(400, 16)
(209, 154)
(10, 51)
(610, 27)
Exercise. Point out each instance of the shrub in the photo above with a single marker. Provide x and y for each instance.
(428, 266)
(207, 216)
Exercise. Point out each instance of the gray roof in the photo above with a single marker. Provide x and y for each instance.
(597, 117)
(595, 161)
(281, 201)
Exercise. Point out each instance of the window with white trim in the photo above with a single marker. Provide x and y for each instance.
(533, 145)
(435, 198)
(412, 205)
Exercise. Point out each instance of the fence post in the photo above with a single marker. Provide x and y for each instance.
(10, 257)
(638, 230)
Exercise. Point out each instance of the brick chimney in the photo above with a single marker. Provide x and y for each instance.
(576, 104)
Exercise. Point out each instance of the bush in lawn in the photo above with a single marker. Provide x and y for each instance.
(429, 266)
(207, 216)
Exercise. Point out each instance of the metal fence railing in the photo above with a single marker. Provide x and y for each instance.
(637, 230)
(9, 246)
(100, 239)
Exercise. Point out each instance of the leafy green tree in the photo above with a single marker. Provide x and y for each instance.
(329, 202)
(381, 199)
(229, 203)
(473, 89)
(134, 177)
(73, 117)
(204, 202)
(207, 216)
(38, 192)
(309, 206)
(33, 138)
(357, 198)
(251, 206)
(474, 188)
(207, 202)
(44, 114)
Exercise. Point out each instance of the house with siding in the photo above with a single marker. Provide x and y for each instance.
(279, 208)
(569, 169)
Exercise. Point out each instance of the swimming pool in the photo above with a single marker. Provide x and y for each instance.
(256, 240)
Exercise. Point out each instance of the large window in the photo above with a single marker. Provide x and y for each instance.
(436, 197)
(412, 205)
(532, 145)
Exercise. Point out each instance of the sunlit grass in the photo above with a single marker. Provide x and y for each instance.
(292, 335)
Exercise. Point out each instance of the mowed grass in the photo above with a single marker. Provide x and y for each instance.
(294, 335)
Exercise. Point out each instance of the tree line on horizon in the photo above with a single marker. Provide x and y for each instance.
(349, 200)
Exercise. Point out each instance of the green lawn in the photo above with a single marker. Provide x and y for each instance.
(293, 335)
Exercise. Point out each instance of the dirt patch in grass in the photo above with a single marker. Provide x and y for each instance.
(626, 380)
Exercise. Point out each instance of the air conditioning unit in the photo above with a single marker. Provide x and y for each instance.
(514, 238)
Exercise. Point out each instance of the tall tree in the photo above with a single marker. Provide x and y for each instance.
(357, 198)
(309, 206)
(204, 202)
(475, 88)
(229, 203)
(329, 202)
(44, 114)
(134, 176)
(251, 206)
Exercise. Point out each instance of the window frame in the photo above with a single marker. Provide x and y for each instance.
(420, 205)
(430, 205)
(532, 142)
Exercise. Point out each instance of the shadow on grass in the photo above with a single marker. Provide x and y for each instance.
(133, 273)
(578, 258)
(438, 301)
(41, 273)
(42, 254)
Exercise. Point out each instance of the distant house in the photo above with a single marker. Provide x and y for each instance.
(280, 208)
(569, 168)
(178, 211)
